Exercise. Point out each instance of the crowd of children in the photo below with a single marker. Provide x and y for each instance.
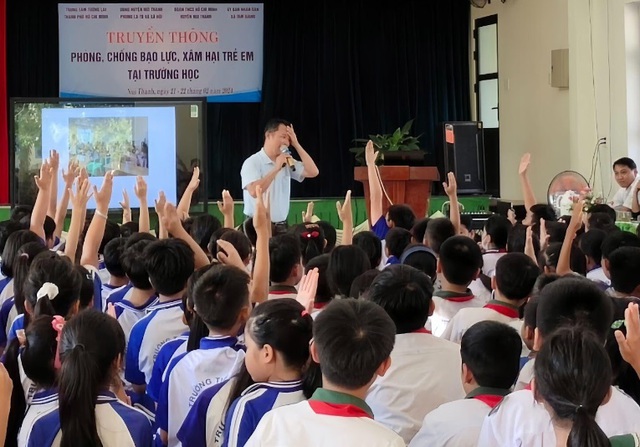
(419, 332)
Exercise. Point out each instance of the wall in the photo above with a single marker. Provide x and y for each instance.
(534, 117)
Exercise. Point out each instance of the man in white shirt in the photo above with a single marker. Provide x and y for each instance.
(425, 370)
(626, 175)
(272, 168)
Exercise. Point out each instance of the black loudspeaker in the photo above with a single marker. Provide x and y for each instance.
(463, 145)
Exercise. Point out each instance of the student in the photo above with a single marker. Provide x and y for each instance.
(460, 262)
(566, 301)
(91, 351)
(612, 242)
(87, 288)
(515, 276)
(591, 245)
(202, 228)
(421, 257)
(240, 242)
(16, 240)
(323, 291)
(278, 335)
(346, 263)
(424, 369)
(419, 229)
(312, 241)
(396, 240)
(169, 263)
(352, 341)
(494, 242)
(371, 245)
(361, 284)
(221, 300)
(490, 353)
(623, 265)
(285, 266)
(438, 231)
(330, 235)
(118, 280)
(626, 172)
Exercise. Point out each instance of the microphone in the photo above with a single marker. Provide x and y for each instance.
(285, 150)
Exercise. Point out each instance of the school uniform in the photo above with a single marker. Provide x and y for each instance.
(103, 273)
(490, 259)
(282, 291)
(525, 376)
(106, 290)
(479, 290)
(42, 403)
(217, 359)
(8, 313)
(162, 323)
(317, 308)
(329, 418)
(392, 260)
(117, 424)
(169, 351)
(117, 295)
(447, 304)
(16, 325)
(6, 289)
(597, 274)
(203, 425)
(128, 314)
(458, 423)
(424, 374)
(245, 412)
(521, 421)
(492, 311)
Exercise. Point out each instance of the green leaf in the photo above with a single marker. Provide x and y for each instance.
(407, 127)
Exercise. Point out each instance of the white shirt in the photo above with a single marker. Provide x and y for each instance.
(447, 305)
(598, 275)
(258, 166)
(303, 425)
(424, 373)
(128, 315)
(489, 261)
(526, 375)
(454, 424)
(521, 421)
(479, 290)
(624, 196)
(469, 316)
(7, 291)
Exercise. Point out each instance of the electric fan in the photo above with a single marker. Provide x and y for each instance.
(562, 190)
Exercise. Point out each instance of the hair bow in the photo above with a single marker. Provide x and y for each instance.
(310, 234)
(48, 289)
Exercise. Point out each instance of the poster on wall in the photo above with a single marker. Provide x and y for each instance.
(162, 50)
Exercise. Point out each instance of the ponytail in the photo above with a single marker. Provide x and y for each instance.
(18, 403)
(21, 264)
(586, 431)
(44, 297)
(312, 240)
(311, 378)
(197, 331)
(80, 380)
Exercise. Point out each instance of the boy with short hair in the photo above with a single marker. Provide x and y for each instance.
(611, 243)
(490, 353)
(118, 281)
(591, 245)
(494, 242)
(396, 241)
(516, 274)
(424, 369)
(520, 419)
(460, 262)
(285, 266)
(352, 341)
(438, 231)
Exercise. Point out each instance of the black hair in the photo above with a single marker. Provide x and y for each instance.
(361, 283)
(87, 288)
(202, 228)
(556, 230)
(240, 242)
(625, 161)
(7, 228)
(345, 264)
(573, 300)
(288, 328)
(591, 244)
(601, 221)
(25, 256)
(573, 376)
(197, 329)
(498, 227)
(405, 294)
(19, 212)
(89, 345)
(330, 235)
(615, 240)
(137, 237)
(323, 292)
(466, 221)
(460, 259)
(438, 231)
(49, 267)
(220, 294)
(352, 338)
(16, 240)
(517, 240)
(543, 211)
(273, 124)
(111, 231)
(113, 252)
(284, 254)
(311, 238)
(491, 350)
(249, 230)
(420, 228)
(169, 263)
(530, 310)
(133, 260)
(397, 240)
(516, 274)
(421, 257)
(624, 265)
(187, 224)
(129, 228)
(371, 244)
(212, 248)
(577, 260)
(49, 227)
(604, 208)
(402, 216)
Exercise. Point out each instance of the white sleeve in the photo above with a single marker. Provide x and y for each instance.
(450, 330)
(490, 435)
(298, 174)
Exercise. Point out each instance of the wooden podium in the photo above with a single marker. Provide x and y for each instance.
(407, 185)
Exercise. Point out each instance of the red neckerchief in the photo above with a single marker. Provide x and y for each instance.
(490, 399)
(344, 410)
(320, 305)
(502, 308)
(421, 331)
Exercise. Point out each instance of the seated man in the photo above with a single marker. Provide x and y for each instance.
(626, 174)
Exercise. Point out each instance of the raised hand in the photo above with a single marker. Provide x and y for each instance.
(450, 188)
(293, 138)
(161, 203)
(370, 155)
(170, 218)
(344, 210)
(140, 189)
(125, 201)
(524, 163)
(227, 254)
(54, 160)
(308, 214)
(629, 345)
(576, 214)
(43, 181)
(307, 289)
(103, 196)
(82, 195)
(195, 179)
(70, 175)
(261, 221)
(226, 206)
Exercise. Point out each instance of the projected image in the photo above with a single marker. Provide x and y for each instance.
(118, 144)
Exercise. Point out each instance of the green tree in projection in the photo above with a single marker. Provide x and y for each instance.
(28, 148)
(110, 139)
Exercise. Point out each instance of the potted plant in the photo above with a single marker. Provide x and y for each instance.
(398, 147)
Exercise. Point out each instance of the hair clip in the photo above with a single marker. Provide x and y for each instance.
(57, 323)
(310, 234)
(48, 289)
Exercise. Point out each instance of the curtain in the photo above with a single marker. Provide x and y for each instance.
(336, 70)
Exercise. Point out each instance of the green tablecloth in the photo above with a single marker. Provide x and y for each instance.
(628, 226)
